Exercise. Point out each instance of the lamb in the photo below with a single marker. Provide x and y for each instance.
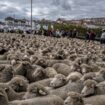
(76, 99)
(62, 68)
(92, 88)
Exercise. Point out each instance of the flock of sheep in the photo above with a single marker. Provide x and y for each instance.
(39, 70)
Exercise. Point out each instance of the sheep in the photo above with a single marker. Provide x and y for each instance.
(13, 62)
(31, 72)
(7, 73)
(2, 67)
(42, 62)
(19, 83)
(86, 68)
(87, 76)
(3, 57)
(100, 76)
(58, 81)
(60, 55)
(75, 67)
(74, 74)
(3, 97)
(35, 90)
(76, 99)
(50, 72)
(62, 68)
(12, 95)
(46, 100)
(45, 82)
(71, 85)
(35, 74)
(22, 68)
(91, 87)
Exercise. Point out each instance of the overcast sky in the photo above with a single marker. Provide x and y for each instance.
(53, 9)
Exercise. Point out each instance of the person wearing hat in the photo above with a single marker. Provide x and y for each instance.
(103, 37)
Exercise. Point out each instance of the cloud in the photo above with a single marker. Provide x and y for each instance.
(53, 9)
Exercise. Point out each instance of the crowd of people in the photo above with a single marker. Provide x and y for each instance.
(90, 35)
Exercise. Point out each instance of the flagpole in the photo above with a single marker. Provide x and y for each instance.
(31, 13)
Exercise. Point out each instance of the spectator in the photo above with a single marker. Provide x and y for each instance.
(103, 37)
(92, 35)
(87, 36)
(58, 33)
(75, 33)
(70, 33)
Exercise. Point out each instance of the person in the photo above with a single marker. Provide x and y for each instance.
(87, 36)
(92, 35)
(58, 33)
(102, 40)
(74, 33)
(70, 33)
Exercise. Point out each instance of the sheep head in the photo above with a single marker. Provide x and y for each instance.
(89, 88)
(58, 81)
(74, 99)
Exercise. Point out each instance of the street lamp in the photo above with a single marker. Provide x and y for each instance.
(31, 14)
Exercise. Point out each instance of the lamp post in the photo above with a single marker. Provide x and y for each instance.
(31, 13)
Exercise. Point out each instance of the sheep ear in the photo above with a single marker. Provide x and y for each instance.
(42, 92)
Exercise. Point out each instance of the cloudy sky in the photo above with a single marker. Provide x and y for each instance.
(53, 9)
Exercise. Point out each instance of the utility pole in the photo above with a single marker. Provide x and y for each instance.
(31, 13)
